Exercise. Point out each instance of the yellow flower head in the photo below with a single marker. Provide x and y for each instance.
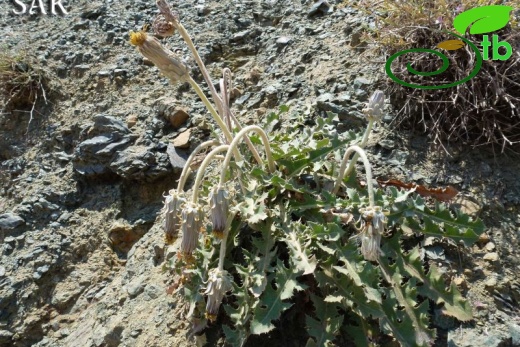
(137, 38)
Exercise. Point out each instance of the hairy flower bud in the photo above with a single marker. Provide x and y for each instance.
(219, 282)
(192, 218)
(165, 60)
(162, 26)
(219, 207)
(172, 206)
(374, 222)
(376, 104)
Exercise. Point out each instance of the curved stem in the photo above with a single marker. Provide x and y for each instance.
(211, 109)
(226, 83)
(202, 170)
(186, 168)
(236, 141)
(362, 145)
(368, 170)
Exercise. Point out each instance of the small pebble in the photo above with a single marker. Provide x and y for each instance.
(491, 256)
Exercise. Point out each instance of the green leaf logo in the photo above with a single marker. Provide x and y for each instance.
(484, 19)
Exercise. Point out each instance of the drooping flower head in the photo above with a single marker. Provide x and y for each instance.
(375, 106)
(219, 207)
(219, 283)
(191, 224)
(373, 225)
(173, 203)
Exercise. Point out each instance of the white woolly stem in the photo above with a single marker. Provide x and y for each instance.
(186, 37)
(186, 169)
(211, 109)
(236, 141)
(358, 150)
(202, 169)
(362, 145)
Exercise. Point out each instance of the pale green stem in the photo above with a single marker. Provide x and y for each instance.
(223, 242)
(252, 148)
(368, 170)
(236, 141)
(202, 170)
(186, 169)
(186, 37)
(362, 145)
(211, 109)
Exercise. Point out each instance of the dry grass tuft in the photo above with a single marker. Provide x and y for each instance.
(23, 82)
(483, 111)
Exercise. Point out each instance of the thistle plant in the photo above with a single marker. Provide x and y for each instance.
(285, 231)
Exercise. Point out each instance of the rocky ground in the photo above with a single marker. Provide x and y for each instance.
(82, 182)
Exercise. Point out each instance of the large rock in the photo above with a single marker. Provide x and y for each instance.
(110, 149)
(9, 221)
(105, 139)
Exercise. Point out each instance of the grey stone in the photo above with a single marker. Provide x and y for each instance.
(514, 331)
(387, 144)
(361, 81)
(104, 73)
(84, 24)
(320, 6)
(135, 287)
(347, 115)
(241, 100)
(152, 291)
(241, 35)
(140, 163)
(135, 333)
(283, 41)
(43, 269)
(106, 138)
(10, 221)
(120, 72)
(177, 157)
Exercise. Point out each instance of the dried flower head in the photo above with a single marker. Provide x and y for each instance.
(373, 226)
(219, 207)
(167, 62)
(376, 104)
(191, 225)
(219, 283)
(172, 206)
(162, 26)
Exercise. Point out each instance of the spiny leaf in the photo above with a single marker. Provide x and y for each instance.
(326, 325)
(271, 304)
(434, 287)
(295, 166)
(235, 337)
(482, 19)
(438, 221)
(407, 319)
(348, 295)
(254, 209)
(330, 232)
(300, 255)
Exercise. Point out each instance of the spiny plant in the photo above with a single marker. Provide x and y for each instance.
(482, 110)
(294, 225)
